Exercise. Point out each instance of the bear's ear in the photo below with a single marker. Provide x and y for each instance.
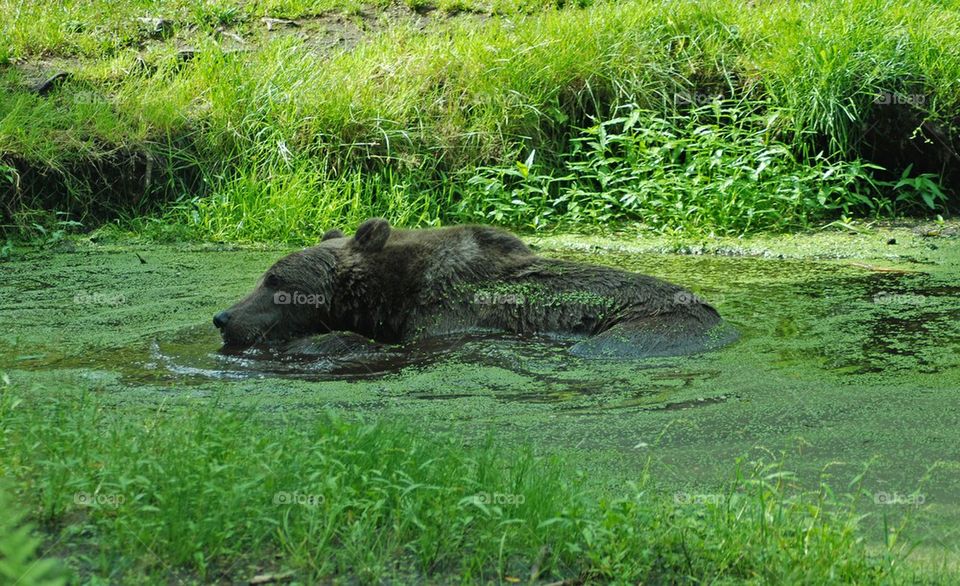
(372, 235)
(330, 234)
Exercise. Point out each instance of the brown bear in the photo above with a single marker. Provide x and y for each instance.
(396, 286)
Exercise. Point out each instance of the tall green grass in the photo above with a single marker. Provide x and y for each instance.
(205, 493)
(841, 85)
(716, 168)
(19, 545)
(92, 28)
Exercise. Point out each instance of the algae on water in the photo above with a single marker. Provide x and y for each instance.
(849, 355)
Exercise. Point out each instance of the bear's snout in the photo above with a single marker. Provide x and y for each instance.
(220, 320)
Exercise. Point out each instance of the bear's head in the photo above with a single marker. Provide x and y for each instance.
(296, 296)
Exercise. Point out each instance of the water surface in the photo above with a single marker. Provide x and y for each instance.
(842, 364)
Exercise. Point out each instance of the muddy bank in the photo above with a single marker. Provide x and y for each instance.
(850, 358)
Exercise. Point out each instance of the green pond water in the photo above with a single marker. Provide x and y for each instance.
(849, 358)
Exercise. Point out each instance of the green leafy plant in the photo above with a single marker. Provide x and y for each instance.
(925, 187)
(715, 168)
(19, 563)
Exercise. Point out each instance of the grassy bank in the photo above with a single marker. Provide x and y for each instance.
(683, 116)
(211, 494)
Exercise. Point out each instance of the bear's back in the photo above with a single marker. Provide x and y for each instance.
(483, 239)
(434, 259)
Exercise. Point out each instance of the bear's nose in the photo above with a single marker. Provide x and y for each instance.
(221, 319)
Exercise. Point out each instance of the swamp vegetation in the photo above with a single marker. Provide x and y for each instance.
(794, 163)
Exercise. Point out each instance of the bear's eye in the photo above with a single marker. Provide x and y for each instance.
(272, 281)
